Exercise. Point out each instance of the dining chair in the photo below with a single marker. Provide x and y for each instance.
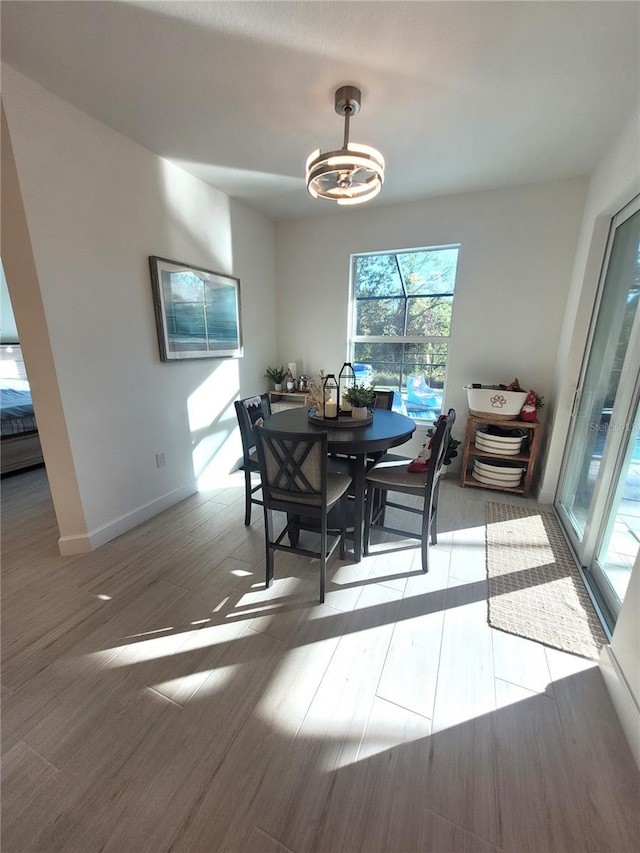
(393, 476)
(296, 481)
(251, 411)
(383, 399)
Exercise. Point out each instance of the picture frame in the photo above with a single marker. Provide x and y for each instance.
(197, 311)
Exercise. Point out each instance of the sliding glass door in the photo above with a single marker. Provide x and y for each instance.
(598, 499)
(620, 540)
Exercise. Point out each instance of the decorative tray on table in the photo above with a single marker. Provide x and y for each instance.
(342, 421)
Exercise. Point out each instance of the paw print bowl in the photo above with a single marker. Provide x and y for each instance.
(494, 403)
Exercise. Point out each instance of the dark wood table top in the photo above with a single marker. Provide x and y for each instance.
(388, 429)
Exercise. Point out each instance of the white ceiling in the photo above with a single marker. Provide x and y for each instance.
(458, 96)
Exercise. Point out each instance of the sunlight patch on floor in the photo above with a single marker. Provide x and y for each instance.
(140, 652)
(203, 683)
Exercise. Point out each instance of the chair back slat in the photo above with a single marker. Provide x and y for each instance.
(383, 400)
(296, 482)
(251, 411)
(439, 446)
(293, 465)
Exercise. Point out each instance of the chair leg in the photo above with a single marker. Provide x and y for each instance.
(247, 496)
(382, 506)
(293, 530)
(428, 525)
(323, 557)
(269, 554)
(434, 522)
(343, 525)
(425, 554)
(370, 499)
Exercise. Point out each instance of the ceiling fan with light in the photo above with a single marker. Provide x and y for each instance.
(355, 173)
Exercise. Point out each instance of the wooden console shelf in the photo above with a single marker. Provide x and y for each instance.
(528, 457)
(289, 398)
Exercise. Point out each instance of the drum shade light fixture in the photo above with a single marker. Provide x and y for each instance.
(353, 174)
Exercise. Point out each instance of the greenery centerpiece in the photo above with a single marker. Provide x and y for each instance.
(277, 375)
(359, 397)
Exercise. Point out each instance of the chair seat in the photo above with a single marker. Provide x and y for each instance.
(337, 484)
(394, 473)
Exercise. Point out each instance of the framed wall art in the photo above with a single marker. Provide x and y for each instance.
(197, 311)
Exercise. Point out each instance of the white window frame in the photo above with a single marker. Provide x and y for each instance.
(353, 339)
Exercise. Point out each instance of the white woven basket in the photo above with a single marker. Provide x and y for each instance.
(495, 403)
(503, 445)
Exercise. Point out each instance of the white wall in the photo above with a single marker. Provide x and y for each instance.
(97, 205)
(516, 257)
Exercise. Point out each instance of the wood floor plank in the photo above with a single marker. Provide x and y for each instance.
(465, 687)
(23, 772)
(461, 782)
(521, 662)
(66, 814)
(370, 804)
(194, 710)
(536, 773)
(51, 627)
(56, 709)
(429, 831)
(594, 739)
(259, 841)
(468, 561)
(410, 672)
(232, 798)
(331, 733)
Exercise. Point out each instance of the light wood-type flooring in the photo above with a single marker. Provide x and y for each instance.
(155, 697)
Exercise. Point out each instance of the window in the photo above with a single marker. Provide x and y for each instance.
(401, 321)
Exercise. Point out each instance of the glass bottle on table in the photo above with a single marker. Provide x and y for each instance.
(330, 398)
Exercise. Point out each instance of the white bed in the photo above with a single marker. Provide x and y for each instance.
(20, 442)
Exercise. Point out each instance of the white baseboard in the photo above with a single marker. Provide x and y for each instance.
(545, 496)
(84, 542)
(622, 698)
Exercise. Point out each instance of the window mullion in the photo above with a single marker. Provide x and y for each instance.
(401, 339)
(406, 301)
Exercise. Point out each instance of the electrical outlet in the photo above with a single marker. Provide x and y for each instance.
(160, 460)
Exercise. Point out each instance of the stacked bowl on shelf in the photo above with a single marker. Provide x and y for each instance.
(507, 444)
(498, 442)
(494, 473)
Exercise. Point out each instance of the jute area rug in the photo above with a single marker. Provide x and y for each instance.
(535, 588)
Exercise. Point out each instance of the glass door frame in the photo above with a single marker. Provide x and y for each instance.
(586, 548)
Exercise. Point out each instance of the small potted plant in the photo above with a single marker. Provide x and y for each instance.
(359, 398)
(277, 375)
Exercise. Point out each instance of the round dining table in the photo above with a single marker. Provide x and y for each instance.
(386, 430)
